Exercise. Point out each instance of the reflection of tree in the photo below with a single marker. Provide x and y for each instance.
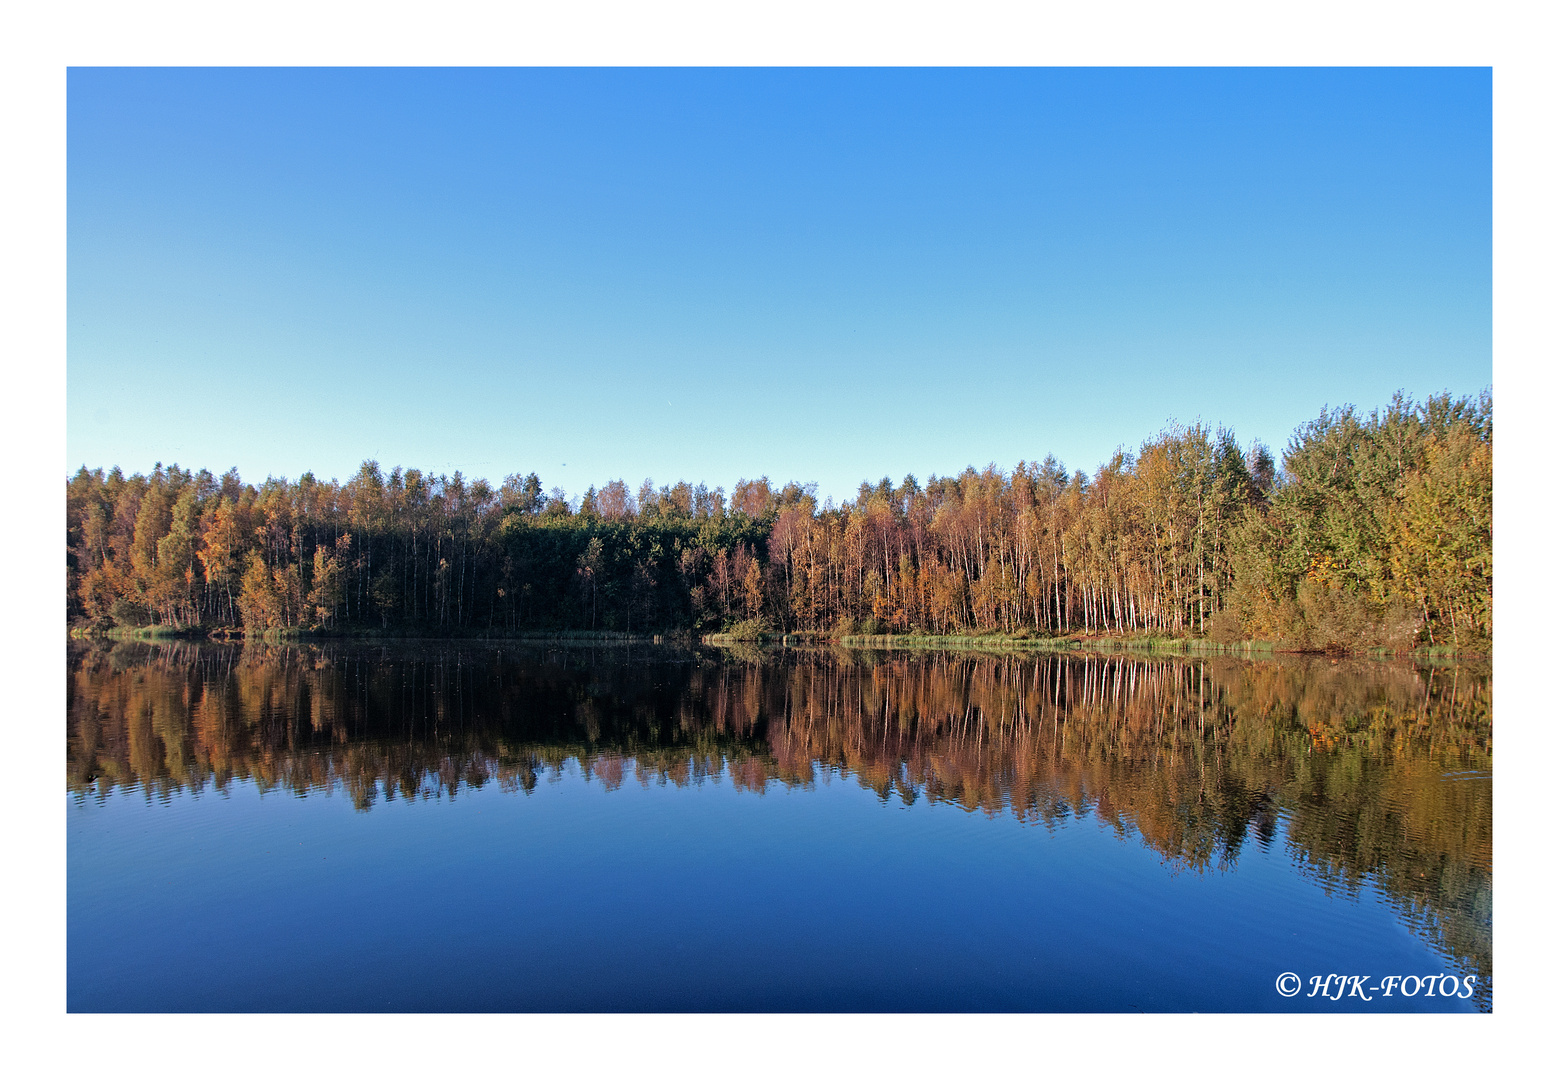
(1378, 771)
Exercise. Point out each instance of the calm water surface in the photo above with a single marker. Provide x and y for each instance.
(460, 827)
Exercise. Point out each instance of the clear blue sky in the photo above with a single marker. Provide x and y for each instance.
(822, 275)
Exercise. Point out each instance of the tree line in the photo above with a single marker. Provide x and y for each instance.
(1372, 530)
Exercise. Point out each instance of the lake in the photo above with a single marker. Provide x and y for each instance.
(472, 827)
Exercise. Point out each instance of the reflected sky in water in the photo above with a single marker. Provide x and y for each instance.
(458, 828)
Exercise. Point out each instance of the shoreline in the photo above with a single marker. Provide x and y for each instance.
(992, 642)
(1166, 646)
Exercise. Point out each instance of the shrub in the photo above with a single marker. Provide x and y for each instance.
(748, 630)
(1225, 626)
(126, 612)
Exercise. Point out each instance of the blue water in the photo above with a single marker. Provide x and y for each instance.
(654, 897)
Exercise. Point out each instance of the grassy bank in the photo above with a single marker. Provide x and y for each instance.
(744, 635)
(138, 633)
(1006, 642)
(802, 638)
(1163, 646)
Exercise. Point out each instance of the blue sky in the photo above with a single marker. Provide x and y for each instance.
(824, 275)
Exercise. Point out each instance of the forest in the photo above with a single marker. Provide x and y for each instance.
(1372, 531)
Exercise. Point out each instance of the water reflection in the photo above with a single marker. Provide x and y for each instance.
(1377, 773)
